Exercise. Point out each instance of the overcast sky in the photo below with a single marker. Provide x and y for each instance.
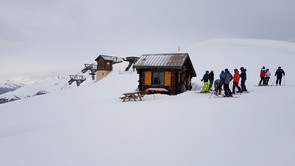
(52, 37)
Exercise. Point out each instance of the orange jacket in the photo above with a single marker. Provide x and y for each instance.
(237, 76)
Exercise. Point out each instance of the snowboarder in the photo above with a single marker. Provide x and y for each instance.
(262, 76)
(279, 73)
(206, 84)
(227, 80)
(267, 77)
(211, 79)
(243, 76)
(236, 81)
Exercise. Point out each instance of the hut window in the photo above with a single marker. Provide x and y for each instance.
(158, 78)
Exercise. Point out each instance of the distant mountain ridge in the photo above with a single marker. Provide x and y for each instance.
(9, 85)
(21, 91)
(41, 87)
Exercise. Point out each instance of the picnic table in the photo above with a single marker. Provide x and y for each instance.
(132, 95)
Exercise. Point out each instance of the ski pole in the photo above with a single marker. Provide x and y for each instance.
(284, 81)
(211, 94)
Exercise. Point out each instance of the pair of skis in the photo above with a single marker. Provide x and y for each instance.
(221, 96)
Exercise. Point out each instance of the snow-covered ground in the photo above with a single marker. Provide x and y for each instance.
(90, 125)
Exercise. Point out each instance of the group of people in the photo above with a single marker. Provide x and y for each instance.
(265, 76)
(225, 77)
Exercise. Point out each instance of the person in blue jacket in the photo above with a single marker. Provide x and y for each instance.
(243, 76)
(220, 82)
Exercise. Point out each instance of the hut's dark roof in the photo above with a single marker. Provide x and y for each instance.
(106, 57)
(163, 61)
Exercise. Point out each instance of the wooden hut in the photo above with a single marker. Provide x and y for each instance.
(167, 73)
(104, 66)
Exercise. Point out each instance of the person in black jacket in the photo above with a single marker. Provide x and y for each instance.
(211, 79)
(206, 84)
(243, 76)
(279, 73)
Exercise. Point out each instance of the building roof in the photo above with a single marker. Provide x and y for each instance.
(106, 57)
(113, 59)
(163, 61)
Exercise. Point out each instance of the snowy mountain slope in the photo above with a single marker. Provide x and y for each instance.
(250, 53)
(8, 85)
(89, 125)
(47, 85)
(44, 86)
(37, 88)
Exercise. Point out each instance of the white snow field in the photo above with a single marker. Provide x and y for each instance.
(91, 126)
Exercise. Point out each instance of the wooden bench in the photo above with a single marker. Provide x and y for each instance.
(132, 96)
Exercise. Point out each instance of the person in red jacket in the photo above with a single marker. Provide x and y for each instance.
(236, 81)
(262, 76)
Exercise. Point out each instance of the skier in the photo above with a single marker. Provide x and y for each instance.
(206, 84)
(243, 76)
(262, 76)
(211, 79)
(221, 82)
(236, 81)
(217, 86)
(227, 80)
(279, 73)
(267, 77)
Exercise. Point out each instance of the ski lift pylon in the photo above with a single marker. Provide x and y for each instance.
(76, 78)
(90, 67)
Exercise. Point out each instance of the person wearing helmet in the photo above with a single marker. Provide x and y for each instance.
(206, 84)
(211, 79)
(217, 87)
(279, 73)
(236, 81)
(227, 80)
(262, 76)
(267, 77)
(220, 82)
(243, 76)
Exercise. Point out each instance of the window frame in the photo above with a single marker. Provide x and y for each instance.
(161, 78)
